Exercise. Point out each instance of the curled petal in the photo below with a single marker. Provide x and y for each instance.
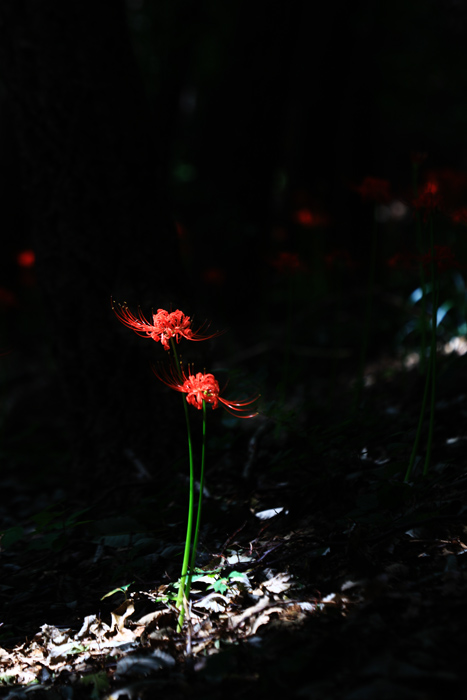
(201, 387)
(139, 323)
(238, 408)
(165, 326)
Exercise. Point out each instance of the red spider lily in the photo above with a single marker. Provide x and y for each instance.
(452, 185)
(26, 258)
(443, 258)
(459, 216)
(201, 387)
(165, 325)
(286, 262)
(374, 189)
(308, 219)
(429, 199)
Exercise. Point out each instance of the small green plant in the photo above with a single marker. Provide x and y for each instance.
(431, 261)
(439, 259)
(119, 589)
(219, 583)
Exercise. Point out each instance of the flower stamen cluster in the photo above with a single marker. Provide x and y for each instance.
(165, 326)
(201, 387)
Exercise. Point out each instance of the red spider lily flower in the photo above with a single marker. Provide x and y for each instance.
(308, 219)
(165, 325)
(201, 387)
(452, 185)
(286, 262)
(429, 199)
(459, 216)
(374, 189)
(26, 258)
(443, 258)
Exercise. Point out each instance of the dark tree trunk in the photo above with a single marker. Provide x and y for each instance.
(96, 207)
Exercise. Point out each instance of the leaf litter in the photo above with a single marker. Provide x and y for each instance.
(356, 589)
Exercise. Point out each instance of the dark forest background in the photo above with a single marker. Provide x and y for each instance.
(165, 153)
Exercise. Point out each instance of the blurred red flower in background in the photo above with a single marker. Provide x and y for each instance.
(309, 219)
(429, 198)
(286, 262)
(374, 189)
(459, 216)
(443, 258)
(444, 189)
(452, 184)
(26, 258)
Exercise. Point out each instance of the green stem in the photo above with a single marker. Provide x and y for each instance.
(200, 501)
(434, 323)
(430, 375)
(419, 236)
(419, 239)
(419, 427)
(186, 556)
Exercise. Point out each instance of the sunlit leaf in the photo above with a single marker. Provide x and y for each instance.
(120, 589)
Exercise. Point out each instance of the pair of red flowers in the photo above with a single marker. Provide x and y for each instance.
(167, 327)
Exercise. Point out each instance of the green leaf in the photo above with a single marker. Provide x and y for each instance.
(120, 589)
(7, 679)
(220, 586)
(10, 536)
(99, 681)
(240, 577)
(45, 517)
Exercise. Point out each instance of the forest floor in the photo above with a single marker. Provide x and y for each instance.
(321, 573)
